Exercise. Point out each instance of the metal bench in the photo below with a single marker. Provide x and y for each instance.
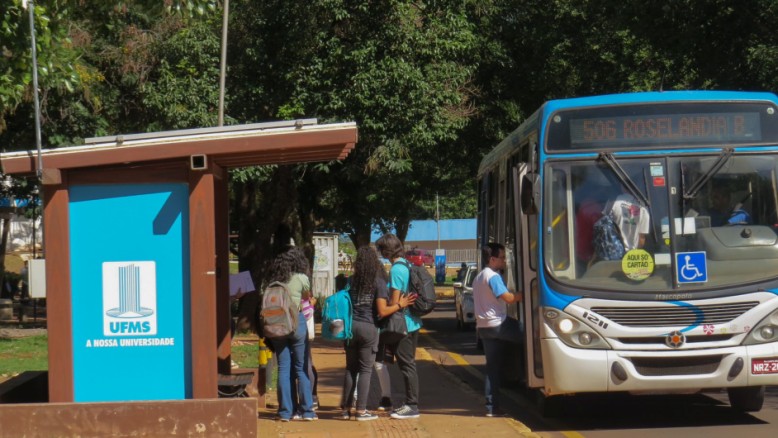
(234, 385)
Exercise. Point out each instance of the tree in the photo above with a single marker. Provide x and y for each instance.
(57, 60)
(393, 67)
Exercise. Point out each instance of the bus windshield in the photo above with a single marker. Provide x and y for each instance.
(688, 223)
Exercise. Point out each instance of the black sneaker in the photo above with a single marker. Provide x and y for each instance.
(495, 412)
(315, 402)
(365, 416)
(385, 405)
(345, 414)
(405, 412)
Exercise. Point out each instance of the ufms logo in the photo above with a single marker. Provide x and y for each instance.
(129, 298)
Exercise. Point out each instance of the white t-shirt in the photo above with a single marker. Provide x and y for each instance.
(490, 309)
(631, 218)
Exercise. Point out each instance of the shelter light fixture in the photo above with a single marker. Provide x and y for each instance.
(198, 162)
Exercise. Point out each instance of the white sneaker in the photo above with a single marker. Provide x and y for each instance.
(405, 412)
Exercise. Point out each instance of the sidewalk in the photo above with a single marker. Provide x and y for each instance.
(449, 408)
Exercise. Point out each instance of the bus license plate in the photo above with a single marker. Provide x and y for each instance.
(764, 366)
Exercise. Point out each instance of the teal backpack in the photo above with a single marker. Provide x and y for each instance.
(336, 316)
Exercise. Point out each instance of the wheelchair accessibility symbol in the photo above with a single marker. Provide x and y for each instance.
(691, 267)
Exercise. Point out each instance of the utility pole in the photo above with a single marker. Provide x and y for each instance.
(223, 66)
(30, 6)
(437, 216)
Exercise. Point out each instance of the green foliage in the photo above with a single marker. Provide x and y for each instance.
(432, 85)
(397, 68)
(181, 90)
(57, 60)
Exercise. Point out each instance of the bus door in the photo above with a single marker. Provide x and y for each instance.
(525, 281)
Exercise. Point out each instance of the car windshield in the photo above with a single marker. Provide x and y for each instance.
(722, 233)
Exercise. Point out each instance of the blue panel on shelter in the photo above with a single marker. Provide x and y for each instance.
(691, 267)
(129, 255)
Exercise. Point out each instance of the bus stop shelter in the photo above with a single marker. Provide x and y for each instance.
(136, 245)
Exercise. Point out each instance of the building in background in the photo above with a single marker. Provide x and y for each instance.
(457, 237)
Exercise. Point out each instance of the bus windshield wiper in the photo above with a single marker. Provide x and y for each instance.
(622, 175)
(726, 154)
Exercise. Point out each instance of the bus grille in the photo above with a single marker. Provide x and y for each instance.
(674, 316)
(676, 366)
(647, 340)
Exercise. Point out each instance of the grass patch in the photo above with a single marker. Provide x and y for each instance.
(246, 355)
(24, 354)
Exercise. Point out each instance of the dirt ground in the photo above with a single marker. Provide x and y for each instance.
(14, 332)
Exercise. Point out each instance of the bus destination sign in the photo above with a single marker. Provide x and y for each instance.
(738, 127)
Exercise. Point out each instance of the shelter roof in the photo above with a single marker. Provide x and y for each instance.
(229, 146)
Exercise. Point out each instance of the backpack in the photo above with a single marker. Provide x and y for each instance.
(421, 284)
(336, 317)
(278, 316)
(606, 239)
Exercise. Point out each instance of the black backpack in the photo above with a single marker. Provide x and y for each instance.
(422, 284)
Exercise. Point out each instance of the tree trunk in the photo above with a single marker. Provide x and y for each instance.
(264, 210)
(401, 229)
(3, 246)
(361, 235)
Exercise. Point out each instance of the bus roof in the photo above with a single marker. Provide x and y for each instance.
(533, 122)
(658, 96)
(509, 143)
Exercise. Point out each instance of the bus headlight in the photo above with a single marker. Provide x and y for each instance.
(765, 331)
(574, 332)
(565, 325)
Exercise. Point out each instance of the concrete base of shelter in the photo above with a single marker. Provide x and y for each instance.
(24, 411)
(233, 417)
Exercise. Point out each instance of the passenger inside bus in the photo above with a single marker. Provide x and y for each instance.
(587, 213)
(632, 220)
(591, 194)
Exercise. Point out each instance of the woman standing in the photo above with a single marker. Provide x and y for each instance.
(291, 267)
(369, 280)
(397, 300)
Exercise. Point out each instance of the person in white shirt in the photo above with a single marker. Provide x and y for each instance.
(495, 329)
(632, 219)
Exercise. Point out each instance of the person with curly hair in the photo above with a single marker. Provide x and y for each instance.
(397, 300)
(369, 280)
(291, 268)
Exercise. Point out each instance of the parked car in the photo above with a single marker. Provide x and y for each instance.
(463, 299)
(420, 257)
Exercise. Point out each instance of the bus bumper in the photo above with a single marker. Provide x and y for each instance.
(571, 370)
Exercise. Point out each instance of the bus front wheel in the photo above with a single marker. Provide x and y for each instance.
(747, 399)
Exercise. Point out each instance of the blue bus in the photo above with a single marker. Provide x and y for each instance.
(643, 230)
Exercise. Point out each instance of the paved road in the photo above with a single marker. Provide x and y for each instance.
(600, 415)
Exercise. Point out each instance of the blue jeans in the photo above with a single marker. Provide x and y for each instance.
(497, 342)
(291, 357)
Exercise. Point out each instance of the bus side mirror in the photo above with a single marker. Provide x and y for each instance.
(530, 194)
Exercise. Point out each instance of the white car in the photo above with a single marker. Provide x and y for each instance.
(463, 299)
